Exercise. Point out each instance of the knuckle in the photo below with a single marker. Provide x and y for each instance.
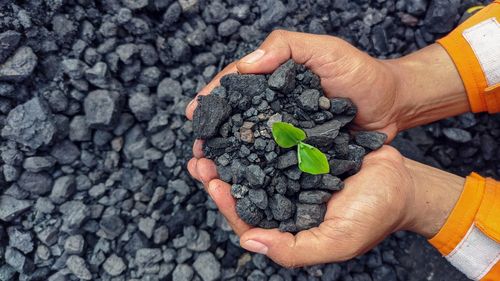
(278, 34)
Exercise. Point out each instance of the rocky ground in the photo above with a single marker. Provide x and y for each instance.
(94, 142)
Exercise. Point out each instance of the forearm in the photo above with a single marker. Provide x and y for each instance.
(430, 87)
(436, 194)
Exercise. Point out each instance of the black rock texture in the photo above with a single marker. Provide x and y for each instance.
(129, 162)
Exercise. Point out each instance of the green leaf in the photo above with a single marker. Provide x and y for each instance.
(287, 135)
(312, 160)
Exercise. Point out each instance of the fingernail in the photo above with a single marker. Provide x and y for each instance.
(254, 246)
(253, 56)
(190, 104)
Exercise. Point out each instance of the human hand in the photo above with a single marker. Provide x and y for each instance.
(388, 194)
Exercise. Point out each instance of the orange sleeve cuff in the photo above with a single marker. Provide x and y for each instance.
(481, 96)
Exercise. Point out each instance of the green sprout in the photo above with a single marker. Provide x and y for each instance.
(311, 160)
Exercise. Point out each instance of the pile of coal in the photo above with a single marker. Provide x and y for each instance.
(235, 121)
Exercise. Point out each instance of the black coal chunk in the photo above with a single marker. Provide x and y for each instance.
(19, 66)
(248, 211)
(210, 113)
(283, 78)
(246, 84)
(258, 197)
(31, 124)
(255, 175)
(309, 99)
(332, 183)
(323, 135)
(370, 140)
(9, 39)
(341, 166)
(457, 135)
(281, 207)
(102, 109)
(342, 106)
(309, 215)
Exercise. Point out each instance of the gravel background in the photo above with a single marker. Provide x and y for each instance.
(94, 142)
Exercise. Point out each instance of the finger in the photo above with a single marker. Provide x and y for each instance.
(206, 170)
(191, 166)
(307, 247)
(231, 68)
(282, 45)
(221, 194)
(198, 149)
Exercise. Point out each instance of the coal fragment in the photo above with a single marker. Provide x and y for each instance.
(314, 197)
(18, 261)
(332, 183)
(281, 207)
(210, 113)
(283, 78)
(30, 124)
(248, 85)
(342, 106)
(287, 160)
(102, 109)
(21, 240)
(19, 66)
(457, 135)
(63, 188)
(309, 215)
(370, 140)
(114, 265)
(9, 39)
(441, 15)
(11, 208)
(309, 99)
(207, 267)
(36, 183)
(112, 225)
(239, 191)
(323, 135)
(255, 175)
(258, 197)
(248, 211)
(78, 267)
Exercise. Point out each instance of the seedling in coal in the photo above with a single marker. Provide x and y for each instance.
(311, 160)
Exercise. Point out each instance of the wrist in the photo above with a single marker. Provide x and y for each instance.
(429, 87)
(436, 193)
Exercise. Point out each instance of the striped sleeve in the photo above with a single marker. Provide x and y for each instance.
(470, 238)
(474, 47)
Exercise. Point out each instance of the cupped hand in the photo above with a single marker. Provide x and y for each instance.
(344, 72)
(374, 203)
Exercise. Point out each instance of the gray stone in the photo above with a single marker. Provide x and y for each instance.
(324, 103)
(283, 78)
(340, 166)
(65, 152)
(309, 215)
(37, 164)
(48, 235)
(255, 175)
(201, 243)
(114, 265)
(258, 197)
(281, 207)
(238, 191)
(160, 235)
(228, 27)
(330, 182)
(314, 197)
(74, 214)
(78, 267)
(19, 66)
(146, 226)
(10, 40)
(309, 99)
(30, 124)
(112, 225)
(63, 188)
(74, 245)
(210, 113)
(207, 267)
(287, 160)
(182, 272)
(324, 134)
(21, 240)
(148, 256)
(18, 261)
(79, 130)
(342, 106)
(102, 109)
(142, 106)
(248, 211)
(370, 140)
(36, 183)
(457, 135)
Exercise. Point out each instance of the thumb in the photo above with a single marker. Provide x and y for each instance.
(282, 45)
(307, 247)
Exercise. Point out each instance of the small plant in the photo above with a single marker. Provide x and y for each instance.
(311, 160)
